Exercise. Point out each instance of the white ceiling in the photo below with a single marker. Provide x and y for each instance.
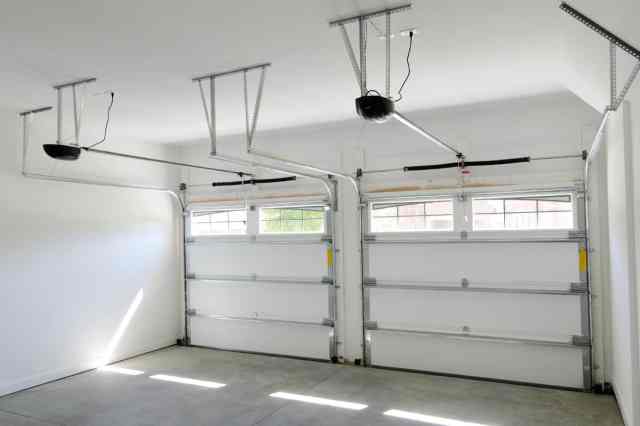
(147, 51)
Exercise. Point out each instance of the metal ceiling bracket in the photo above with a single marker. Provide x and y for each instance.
(360, 68)
(77, 107)
(616, 99)
(210, 107)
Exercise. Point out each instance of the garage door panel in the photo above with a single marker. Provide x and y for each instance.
(503, 264)
(556, 366)
(284, 339)
(282, 260)
(296, 302)
(513, 315)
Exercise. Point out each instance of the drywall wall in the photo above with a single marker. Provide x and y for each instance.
(89, 274)
(623, 276)
(588, 77)
(553, 124)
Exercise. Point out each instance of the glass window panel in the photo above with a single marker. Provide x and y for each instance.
(219, 216)
(555, 206)
(292, 220)
(200, 228)
(292, 226)
(384, 224)
(269, 226)
(411, 223)
(555, 220)
(521, 221)
(488, 206)
(313, 214)
(520, 205)
(218, 222)
(524, 213)
(408, 216)
(238, 227)
(488, 222)
(386, 211)
(439, 223)
(411, 210)
(313, 225)
(238, 216)
(292, 214)
(439, 207)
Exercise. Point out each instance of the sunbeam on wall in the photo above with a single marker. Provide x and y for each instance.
(122, 328)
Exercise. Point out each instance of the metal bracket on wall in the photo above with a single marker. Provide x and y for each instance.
(371, 325)
(370, 282)
(577, 235)
(582, 341)
(579, 287)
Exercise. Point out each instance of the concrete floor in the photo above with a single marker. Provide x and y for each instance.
(106, 398)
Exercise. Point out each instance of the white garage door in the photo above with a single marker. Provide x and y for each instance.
(486, 285)
(260, 279)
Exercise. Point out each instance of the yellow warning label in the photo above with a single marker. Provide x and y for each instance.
(330, 257)
(582, 260)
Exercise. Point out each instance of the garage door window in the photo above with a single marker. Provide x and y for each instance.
(219, 222)
(529, 212)
(292, 220)
(412, 216)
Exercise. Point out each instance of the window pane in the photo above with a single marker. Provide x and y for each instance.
(292, 214)
(411, 210)
(412, 216)
(439, 207)
(526, 212)
(488, 206)
(238, 227)
(313, 214)
(556, 220)
(218, 222)
(487, 222)
(238, 216)
(313, 225)
(439, 223)
(220, 228)
(292, 220)
(388, 211)
(521, 221)
(292, 226)
(520, 205)
(555, 206)
(268, 214)
(411, 223)
(384, 224)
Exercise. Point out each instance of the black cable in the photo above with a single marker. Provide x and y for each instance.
(106, 126)
(408, 67)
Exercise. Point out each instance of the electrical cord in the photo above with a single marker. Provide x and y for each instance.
(106, 126)
(408, 67)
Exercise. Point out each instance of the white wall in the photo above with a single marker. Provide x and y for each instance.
(554, 124)
(623, 278)
(588, 77)
(75, 258)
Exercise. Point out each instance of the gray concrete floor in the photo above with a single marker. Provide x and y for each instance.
(103, 398)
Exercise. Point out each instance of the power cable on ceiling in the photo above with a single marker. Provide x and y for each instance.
(408, 67)
(106, 126)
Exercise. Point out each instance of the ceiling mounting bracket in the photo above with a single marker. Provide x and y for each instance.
(615, 42)
(210, 107)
